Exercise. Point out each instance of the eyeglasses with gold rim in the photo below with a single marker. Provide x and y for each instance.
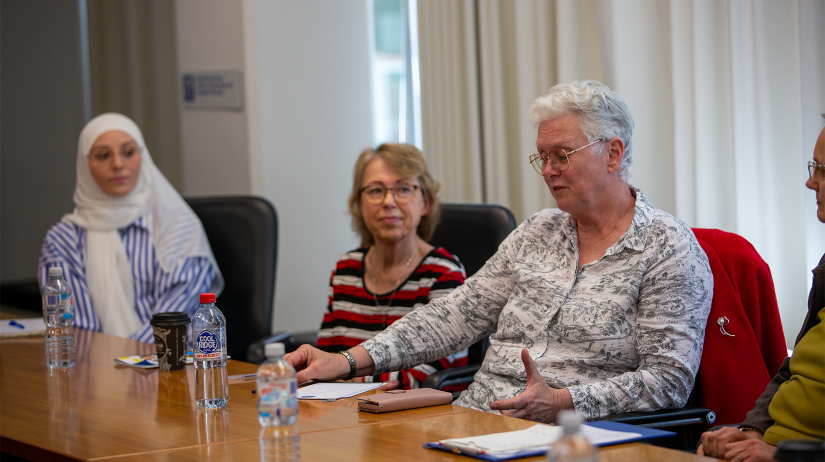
(559, 158)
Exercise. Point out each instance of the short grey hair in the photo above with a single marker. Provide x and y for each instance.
(602, 113)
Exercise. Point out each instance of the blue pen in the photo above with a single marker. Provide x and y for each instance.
(16, 324)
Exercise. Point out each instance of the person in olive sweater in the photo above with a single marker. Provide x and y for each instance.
(793, 404)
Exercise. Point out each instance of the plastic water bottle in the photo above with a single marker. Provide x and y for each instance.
(209, 333)
(58, 314)
(278, 407)
(573, 446)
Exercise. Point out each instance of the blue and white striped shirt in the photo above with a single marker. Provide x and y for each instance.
(156, 291)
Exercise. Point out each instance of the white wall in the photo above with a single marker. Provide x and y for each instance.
(314, 95)
(215, 147)
(305, 120)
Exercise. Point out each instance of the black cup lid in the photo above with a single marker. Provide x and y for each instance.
(174, 318)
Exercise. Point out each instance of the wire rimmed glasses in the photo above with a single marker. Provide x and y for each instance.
(403, 191)
(816, 171)
(126, 152)
(559, 158)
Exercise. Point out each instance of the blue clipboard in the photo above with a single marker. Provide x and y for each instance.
(646, 434)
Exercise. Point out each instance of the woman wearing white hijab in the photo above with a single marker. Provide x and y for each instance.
(132, 247)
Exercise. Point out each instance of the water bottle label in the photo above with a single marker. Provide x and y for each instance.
(279, 394)
(57, 303)
(206, 346)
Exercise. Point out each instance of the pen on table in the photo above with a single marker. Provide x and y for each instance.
(242, 376)
(16, 324)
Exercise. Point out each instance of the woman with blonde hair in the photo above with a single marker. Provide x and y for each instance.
(395, 209)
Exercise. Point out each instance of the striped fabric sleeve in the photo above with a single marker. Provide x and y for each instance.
(63, 247)
(178, 290)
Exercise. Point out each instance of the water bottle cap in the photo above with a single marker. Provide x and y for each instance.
(274, 349)
(569, 420)
(207, 298)
(55, 272)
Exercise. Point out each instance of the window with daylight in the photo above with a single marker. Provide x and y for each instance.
(396, 89)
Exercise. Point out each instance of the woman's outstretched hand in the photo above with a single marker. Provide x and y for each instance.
(314, 364)
(538, 402)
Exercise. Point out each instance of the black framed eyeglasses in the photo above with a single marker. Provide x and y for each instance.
(816, 171)
(402, 191)
(559, 158)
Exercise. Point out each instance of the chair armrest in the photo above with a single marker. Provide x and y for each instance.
(291, 340)
(255, 352)
(305, 337)
(688, 415)
(453, 376)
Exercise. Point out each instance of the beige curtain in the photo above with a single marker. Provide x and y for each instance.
(725, 95)
(133, 67)
(449, 71)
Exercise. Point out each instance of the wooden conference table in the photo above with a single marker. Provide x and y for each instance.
(99, 411)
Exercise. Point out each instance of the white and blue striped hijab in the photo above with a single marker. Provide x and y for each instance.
(175, 231)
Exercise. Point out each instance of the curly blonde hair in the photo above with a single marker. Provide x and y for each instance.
(408, 162)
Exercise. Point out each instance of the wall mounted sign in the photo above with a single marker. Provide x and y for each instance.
(213, 89)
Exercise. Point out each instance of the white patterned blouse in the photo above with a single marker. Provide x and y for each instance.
(624, 333)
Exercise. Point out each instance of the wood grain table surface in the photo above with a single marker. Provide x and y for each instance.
(97, 410)
(402, 441)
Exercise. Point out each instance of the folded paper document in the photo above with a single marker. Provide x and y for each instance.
(336, 390)
(537, 440)
(22, 327)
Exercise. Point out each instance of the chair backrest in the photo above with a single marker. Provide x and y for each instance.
(243, 234)
(473, 232)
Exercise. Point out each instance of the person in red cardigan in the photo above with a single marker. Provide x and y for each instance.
(793, 404)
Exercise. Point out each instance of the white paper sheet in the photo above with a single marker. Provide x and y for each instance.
(536, 437)
(336, 390)
(22, 327)
(602, 437)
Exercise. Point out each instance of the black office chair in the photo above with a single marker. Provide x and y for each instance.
(687, 422)
(243, 234)
(472, 232)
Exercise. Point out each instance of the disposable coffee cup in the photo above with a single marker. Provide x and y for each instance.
(800, 451)
(170, 330)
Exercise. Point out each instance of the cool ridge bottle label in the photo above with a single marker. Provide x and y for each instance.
(206, 346)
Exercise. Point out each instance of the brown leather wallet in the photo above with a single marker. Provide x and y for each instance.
(398, 400)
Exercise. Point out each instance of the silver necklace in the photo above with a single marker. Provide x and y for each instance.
(397, 286)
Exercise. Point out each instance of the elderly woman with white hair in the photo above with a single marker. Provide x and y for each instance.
(132, 247)
(604, 299)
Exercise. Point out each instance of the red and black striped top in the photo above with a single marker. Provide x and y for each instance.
(353, 316)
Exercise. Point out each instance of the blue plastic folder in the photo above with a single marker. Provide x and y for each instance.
(630, 434)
